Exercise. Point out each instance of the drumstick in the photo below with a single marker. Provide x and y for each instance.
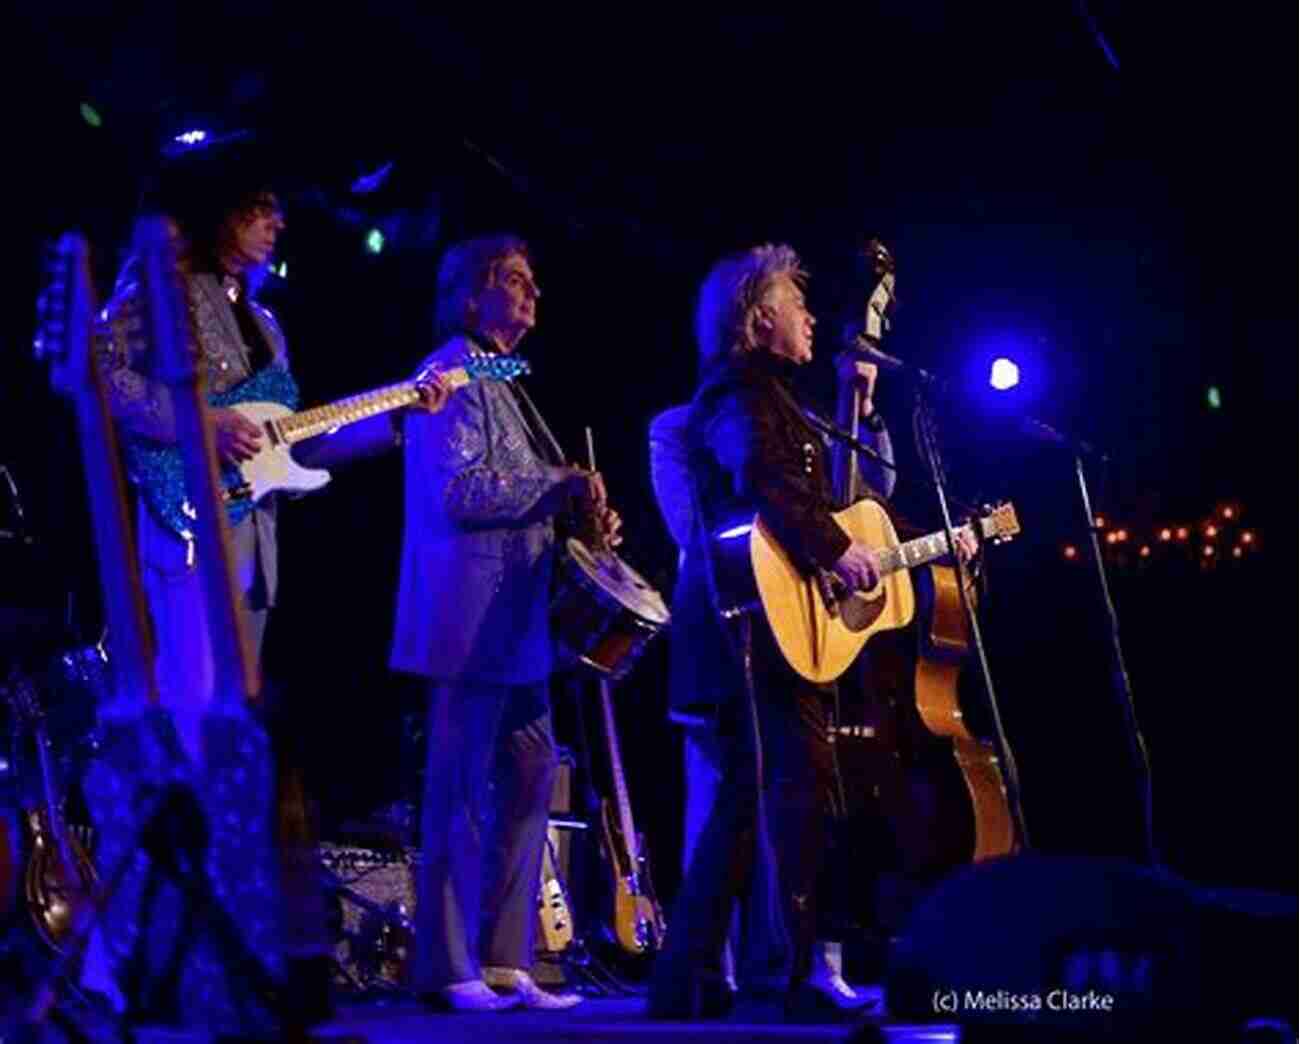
(591, 464)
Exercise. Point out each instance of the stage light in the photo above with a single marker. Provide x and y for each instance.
(1004, 375)
(1145, 552)
(1111, 537)
(1228, 512)
(1070, 551)
(735, 531)
(192, 138)
(1166, 534)
(374, 241)
(1248, 537)
(1183, 533)
(1212, 397)
(1236, 552)
(1207, 551)
(1122, 535)
(1211, 531)
(91, 115)
(1100, 521)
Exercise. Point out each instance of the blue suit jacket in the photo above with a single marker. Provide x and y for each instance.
(479, 542)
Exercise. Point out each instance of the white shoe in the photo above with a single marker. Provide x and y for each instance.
(837, 991)
(477, 995)
(527, 992)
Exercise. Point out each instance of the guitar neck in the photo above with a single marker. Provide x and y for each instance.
(917, 552)
(308, 424)
(620, 783)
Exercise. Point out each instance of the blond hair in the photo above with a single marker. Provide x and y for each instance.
(727, 312)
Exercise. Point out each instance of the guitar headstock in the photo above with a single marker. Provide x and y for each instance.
(486, 366)
(883, 298)
(65, 314)
(1000, 523)
(878, 256)
(166, 304)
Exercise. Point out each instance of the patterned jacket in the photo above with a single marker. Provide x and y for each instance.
(142, 407)
(479, 543)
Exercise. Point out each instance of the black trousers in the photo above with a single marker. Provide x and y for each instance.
(764, 840)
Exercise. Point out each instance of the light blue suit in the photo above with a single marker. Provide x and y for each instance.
(484, 479)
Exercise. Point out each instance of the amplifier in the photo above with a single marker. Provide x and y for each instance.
(371, 899)
(370, 896)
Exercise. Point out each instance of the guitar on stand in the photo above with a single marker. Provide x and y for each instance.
(191, 820)
(603, 615)
(64, 339)
(60, 879)
(638, 920)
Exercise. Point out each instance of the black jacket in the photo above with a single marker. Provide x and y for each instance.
(752, 451)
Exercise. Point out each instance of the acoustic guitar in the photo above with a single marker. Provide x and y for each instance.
(820, 626)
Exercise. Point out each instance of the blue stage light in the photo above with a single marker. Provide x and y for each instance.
(1004, 375)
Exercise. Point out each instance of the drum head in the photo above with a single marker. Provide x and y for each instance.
(620, 581)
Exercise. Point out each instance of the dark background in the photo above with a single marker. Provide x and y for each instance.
(1116, 230)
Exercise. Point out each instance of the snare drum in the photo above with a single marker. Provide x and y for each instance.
(603, 612)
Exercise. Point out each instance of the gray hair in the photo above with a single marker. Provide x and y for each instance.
(468, 268)
(730, 296)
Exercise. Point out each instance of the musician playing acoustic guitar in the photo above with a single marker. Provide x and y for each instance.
(485, 480)
(752, 451)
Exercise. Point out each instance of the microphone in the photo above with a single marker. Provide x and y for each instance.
(863, 349)
(1036, 429)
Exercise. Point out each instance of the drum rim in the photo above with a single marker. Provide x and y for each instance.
(658, 619)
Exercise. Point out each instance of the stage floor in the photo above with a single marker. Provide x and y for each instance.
(620, 1019)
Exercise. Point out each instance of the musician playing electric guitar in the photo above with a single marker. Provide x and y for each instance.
(226, 222)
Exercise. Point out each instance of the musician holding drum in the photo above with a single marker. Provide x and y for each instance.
(485, 482)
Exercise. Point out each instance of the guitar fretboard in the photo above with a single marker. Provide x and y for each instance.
(621, 800)
(916, 552)
(310, 423)
(317, 421)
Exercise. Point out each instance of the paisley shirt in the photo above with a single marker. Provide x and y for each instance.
(142, 406)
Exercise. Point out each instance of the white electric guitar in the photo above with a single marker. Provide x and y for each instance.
(267, 399)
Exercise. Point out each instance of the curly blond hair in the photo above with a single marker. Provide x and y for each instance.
(727, 311)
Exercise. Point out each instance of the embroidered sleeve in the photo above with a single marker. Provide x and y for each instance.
(141, 404)
(476, 493)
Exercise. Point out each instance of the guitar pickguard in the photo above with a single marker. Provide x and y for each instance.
(158, 470)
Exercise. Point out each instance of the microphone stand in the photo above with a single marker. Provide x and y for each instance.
(852, 441)
(928, 431)
(1121, 686)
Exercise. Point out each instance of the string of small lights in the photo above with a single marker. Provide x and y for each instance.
(1220, 538)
